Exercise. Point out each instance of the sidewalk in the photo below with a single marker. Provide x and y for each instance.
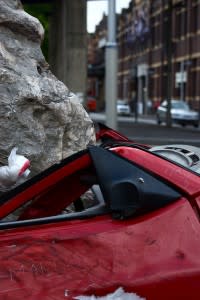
(147, 119)
(147, 131)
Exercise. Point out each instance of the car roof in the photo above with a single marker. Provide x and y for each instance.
(174, 101)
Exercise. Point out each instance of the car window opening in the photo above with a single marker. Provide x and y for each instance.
(78, 194)
(90, 201)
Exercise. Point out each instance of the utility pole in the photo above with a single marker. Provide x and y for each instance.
(68, 42)
(169, 61)
(111, 68)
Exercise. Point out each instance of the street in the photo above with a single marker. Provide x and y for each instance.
(147, 131)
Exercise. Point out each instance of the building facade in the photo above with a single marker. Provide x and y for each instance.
(158, 52)
(96, 63)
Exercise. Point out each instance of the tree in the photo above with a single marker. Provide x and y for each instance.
(41, 12)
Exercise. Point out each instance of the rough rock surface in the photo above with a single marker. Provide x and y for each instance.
(38, 113)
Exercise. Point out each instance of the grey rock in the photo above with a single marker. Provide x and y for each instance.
(38, 114)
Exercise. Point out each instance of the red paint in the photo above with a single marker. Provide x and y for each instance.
(185, 180)
(41, 187)
(25, 166)
(155, 255)
(108, 133)
(91, 104)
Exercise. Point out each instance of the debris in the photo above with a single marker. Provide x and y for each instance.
(119, 294)
(16, 172)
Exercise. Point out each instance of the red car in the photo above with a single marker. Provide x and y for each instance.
(91, 104)
(142, 234)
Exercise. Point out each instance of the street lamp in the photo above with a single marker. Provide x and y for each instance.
(169, 61)
(168, 41)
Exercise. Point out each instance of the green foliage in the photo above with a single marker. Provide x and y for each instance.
(41, 12)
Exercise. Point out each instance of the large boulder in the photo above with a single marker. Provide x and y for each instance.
(38, 113)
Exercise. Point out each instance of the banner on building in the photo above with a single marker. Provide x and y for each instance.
(139, 28)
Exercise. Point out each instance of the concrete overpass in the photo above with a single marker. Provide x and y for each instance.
(68, 42)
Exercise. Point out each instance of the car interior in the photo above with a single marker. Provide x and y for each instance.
(118, 186)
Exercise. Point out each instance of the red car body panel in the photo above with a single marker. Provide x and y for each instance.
(198, 202)
(50, 188)
(183, 179)
(155, 255)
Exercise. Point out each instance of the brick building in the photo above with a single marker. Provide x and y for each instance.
(96, 62)
(151, 54)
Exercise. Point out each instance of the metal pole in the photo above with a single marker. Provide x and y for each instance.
(169, 61)
(111, 68)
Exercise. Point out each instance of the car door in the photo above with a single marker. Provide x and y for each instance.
(163, 111)
(153, 252)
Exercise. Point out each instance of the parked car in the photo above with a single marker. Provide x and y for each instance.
(123, 108)
(91, 104)
(180, 113)
(141, 234)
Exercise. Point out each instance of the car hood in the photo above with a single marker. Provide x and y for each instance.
(184, 112)
(122, 105)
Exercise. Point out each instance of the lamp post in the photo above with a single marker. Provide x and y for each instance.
(169, 62)
(111, 68)
(169, 49)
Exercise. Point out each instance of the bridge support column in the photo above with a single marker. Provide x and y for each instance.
(68, 44)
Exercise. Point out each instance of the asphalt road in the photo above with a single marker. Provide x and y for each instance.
(148, 132)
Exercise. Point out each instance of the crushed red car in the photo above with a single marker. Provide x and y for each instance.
(141, 234)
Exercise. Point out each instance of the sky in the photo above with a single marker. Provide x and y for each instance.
(95, 10)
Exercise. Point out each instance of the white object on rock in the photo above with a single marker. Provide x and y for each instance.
(16, 171)
(119, 294)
